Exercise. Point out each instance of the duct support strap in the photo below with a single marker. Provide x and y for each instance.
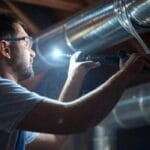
(121, 8)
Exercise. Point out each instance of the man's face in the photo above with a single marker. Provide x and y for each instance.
(22, 56)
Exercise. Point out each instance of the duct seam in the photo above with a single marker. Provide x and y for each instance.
(120, 7)
(117, 119)
(141, 105)
(67, 40)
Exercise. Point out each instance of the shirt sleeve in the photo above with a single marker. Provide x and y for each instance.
(15, 103)
(30, 136)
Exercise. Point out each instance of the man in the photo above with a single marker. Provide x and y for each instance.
(21, 109)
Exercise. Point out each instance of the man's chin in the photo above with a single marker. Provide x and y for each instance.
(27, 75)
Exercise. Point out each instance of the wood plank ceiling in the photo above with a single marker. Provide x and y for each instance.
(61, 8)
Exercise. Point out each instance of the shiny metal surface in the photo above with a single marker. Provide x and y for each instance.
(133, 109)
(99, 28)
(140, 12)
(95, 29)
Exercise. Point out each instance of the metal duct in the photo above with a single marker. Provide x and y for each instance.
(133, 109)
(97, 29)
(94, 29)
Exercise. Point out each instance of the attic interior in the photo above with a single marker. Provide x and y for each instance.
(91, 26)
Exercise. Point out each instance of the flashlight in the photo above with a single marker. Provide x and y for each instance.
(111, 59)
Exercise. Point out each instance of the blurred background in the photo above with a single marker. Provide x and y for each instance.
(103, 31)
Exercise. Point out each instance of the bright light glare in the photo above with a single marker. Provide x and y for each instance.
(57, 53)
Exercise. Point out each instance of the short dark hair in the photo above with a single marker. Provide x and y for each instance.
(7, 25)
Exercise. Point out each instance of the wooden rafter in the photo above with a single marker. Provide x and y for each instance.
(22, 16)
(56, 4)
(4, 10)
(89, 1)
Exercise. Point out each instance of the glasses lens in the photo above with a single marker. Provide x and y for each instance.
(29, 42)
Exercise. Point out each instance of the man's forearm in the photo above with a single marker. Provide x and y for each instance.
(95, 105)
(71, 89)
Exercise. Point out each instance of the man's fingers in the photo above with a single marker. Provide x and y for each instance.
(75, 56)
(91, 65)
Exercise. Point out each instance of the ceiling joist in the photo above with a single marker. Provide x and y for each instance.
(4, 10)
(33, 28)
(55, 4)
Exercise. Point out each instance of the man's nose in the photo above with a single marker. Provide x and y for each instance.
(33, 54)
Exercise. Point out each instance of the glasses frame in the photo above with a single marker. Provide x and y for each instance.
(28, 39)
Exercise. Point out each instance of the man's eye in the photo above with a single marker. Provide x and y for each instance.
(25, 42)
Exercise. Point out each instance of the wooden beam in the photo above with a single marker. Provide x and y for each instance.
(55, 4)
(33, 28)
(89, 2)
(4, 10)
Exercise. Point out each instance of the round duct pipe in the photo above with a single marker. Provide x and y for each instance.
(133, 110)
(97, 29)
(94, 29)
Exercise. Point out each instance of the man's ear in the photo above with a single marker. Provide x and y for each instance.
(5, 50)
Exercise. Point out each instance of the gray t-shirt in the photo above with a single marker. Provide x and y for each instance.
(15, 103)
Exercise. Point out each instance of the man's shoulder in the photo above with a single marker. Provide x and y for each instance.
(5, 80)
